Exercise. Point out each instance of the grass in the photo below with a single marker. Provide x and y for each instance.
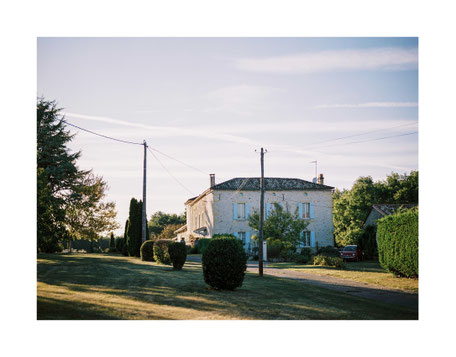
(369, 272)
(108, 286)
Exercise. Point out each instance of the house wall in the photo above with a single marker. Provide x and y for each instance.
(372, 218)
(203, 209)
(321, 224)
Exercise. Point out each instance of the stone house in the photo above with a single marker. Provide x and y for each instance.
(225, 208)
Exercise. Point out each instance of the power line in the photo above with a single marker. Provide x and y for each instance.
(179, 161)
(365, 141)
(365, 133)
(103, 136)
(169, 172)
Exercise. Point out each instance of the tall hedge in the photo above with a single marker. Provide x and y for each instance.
(178, 254)
(224, 263)
(397, 238)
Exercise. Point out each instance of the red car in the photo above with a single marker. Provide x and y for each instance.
(352, 252)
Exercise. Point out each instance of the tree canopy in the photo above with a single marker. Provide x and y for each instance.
(281, 225)
(160, 220)
(351, 207)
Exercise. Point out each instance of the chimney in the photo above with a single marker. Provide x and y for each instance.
(212, 180)
(321, 179)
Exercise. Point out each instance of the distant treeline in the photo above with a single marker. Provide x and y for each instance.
(102, 243)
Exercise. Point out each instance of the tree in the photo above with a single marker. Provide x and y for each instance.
(160, 220)
(168, 231)
(112, 243)
(281, 225)
(88, 216)
(56, 175)
(351, 207)
(134, 232)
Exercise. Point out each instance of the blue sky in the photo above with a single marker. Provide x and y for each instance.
(210, 102)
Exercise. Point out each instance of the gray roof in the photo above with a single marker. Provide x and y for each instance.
(387, 209)
(270, 184)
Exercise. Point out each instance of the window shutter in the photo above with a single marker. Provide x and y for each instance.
(300, 209)
(247, 238)
(301, 236)
(268, 209)
(312, 239)
(235, 216)
(236, 234)
(246, 211)
(311, 211)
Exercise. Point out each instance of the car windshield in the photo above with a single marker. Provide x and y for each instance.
(350, 248)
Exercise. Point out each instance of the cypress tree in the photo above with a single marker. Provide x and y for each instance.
(112, 244)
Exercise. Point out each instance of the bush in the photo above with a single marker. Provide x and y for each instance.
(328, 261)
(329, 251)
(202, 245)
(194, 250)
(161, 253)
(368, 242)
(178, 254)
(224, 263)
(124, 249)
(274, 247)
(147, 251)
(397, 237)
(300, 259)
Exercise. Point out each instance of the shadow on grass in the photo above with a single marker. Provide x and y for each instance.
(148, 285)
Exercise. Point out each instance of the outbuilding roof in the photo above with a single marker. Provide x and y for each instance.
(387, 209)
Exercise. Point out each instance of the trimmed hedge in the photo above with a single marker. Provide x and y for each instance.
(224, 263)
(147, 251)
(178, 254)
(328, 261)
(397, 238)
(161, 252)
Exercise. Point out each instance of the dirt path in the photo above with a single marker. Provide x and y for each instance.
(374, 292)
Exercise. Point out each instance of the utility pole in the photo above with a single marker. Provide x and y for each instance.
(144, 218)
(260, 240)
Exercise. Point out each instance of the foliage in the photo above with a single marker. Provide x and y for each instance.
(224, 263)
(273, 248)
(119, 244)
(57, 175)
(161, 251)
(147, 251)
(329, 251)
(194, 250)
(397, 236)
(351, 207)
(160, 220)
(112, 243)
(307, 254)
(299, 258)
(328, 261)
(281, 225)
(168, 231)
(178, 254)
(202, 243)
(134, 231)
(368, 242)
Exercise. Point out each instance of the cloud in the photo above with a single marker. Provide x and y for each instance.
(370, 105)
(383, 58)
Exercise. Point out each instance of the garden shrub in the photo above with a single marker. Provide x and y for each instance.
(368, 242)
(147, 251)
(161, 253)
(300, 259)
(224, 263)
(397, 237)
(274, 246)
(202, 245)
(328, 261)
(194, 250)
(178, 254)
(328, 251)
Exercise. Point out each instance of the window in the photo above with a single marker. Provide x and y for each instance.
(306, 238)
(241, 236)
(241, 211)
(306, 210)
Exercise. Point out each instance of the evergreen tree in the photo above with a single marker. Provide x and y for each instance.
(112, 243)
(57, 175)
(135, 228)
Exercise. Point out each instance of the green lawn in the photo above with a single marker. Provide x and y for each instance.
(98, 286)
(370, 272)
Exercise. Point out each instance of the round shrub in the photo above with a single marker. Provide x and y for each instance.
(147, 251)
(178, 254)
(328, 261)
(224, 263)
(161, 253)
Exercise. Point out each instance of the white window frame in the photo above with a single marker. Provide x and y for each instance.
(305, 210)
(239, 215)
(306, 235)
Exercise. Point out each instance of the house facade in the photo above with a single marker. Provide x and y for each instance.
(226, 207)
